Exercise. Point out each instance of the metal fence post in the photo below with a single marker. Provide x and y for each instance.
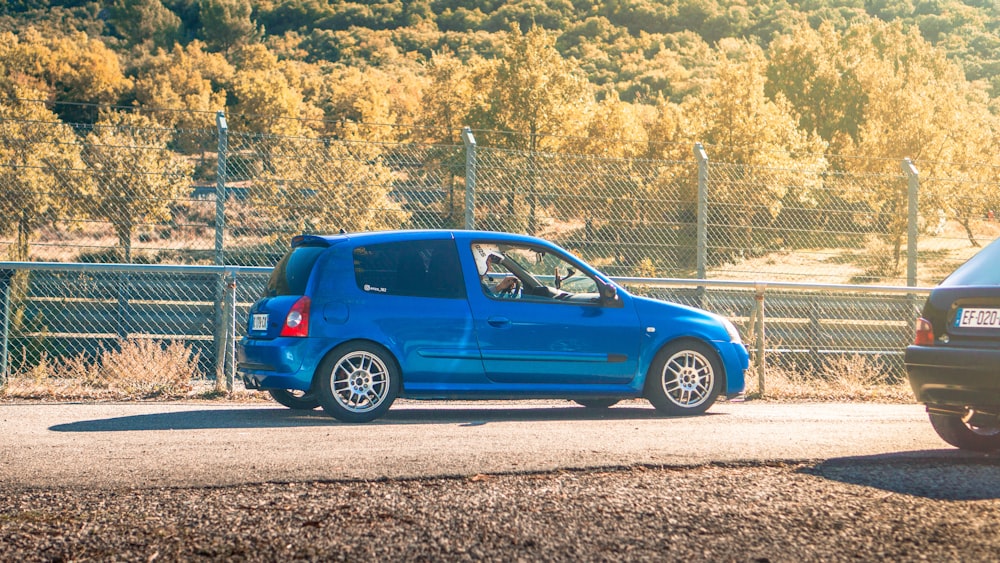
(470, 178)
(5, 278)
(220, 188)
(702, 228)
(230, 340)
(913, 190)
(223, 333)
(759, 361)
(220, 330)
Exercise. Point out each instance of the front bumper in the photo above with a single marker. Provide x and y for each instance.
(956, 377)
(736, 360)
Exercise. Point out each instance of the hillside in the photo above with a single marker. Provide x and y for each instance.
(641, 49)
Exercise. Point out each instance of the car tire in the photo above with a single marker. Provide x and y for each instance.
(357, 382)
(684, 379)
(295, 399)
(596, 403)
(953, 430)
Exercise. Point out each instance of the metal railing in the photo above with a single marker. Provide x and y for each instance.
(53, 311)
(71, 309)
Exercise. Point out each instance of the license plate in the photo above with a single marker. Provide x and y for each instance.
(259, 322)
(977, 318)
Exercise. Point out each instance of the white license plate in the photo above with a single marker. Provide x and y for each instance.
(259, 322)
(977, 318)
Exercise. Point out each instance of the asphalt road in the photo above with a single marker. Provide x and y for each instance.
(103, 446)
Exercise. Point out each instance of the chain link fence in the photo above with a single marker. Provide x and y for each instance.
(128, 192)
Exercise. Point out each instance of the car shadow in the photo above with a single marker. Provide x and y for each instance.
(270, 417)
(946, 474)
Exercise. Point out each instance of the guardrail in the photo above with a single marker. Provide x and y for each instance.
(65, 309)
(806, 322)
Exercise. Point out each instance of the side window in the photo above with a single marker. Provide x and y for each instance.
(528, 273)
(411, 268)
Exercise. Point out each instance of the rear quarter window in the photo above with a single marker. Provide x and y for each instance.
(423, 268)
(291, 274)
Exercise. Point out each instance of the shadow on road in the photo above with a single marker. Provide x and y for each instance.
(283, 418)
(945, 474)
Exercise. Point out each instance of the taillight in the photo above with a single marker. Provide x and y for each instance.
(924, 333)
(297, 320)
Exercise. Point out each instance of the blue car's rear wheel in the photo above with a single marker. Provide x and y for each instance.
(357, 382)
(295, 399)
(952, 429)
(597, 403)
(684, 379)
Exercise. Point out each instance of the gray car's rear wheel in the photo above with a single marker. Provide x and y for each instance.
(952, 429)
(295, 399)
(357, 382)
(684, 379)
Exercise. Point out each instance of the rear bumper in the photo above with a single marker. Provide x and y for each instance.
(281, 363)
(954, 377)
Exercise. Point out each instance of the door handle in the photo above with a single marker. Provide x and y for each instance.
(498, 322)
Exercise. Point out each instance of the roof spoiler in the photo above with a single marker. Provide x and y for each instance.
(310, 240)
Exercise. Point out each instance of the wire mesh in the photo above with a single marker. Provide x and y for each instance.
(627, 217)
(113, 192)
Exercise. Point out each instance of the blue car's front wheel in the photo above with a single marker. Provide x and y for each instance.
(357, 382)
(684, 379)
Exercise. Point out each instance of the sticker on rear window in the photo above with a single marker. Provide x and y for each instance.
(374, 289)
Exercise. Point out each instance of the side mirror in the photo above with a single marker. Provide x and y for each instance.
(609, 293)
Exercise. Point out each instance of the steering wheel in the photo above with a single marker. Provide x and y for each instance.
(512, 290)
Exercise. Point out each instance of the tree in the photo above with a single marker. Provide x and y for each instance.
(537, 96)
(372, 103)
(266, 100)
(227, 23)
(744, 127)
(41, 173)
(185, 78)
(140, 21)
(535, 93)
(810, 69)
(322, 185)
(451, 96)
(74, 68)
(137, 176)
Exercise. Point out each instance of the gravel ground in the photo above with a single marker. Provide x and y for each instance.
(867, 509)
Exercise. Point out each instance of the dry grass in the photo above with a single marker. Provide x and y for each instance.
(148, 370)
(137, 369)
(844, 379)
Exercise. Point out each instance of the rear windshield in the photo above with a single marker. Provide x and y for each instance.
(291, 274)
(981, 269)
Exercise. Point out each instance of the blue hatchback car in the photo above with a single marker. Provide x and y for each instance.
(350, 322)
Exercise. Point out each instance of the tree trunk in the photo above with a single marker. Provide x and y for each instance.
(967, 225)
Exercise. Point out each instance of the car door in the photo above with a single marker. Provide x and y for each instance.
(413, 300)
(554, 329)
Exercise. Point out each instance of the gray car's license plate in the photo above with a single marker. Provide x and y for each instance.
(974, 317)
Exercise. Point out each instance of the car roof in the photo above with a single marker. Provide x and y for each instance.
(981, 269)
(372, 237)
